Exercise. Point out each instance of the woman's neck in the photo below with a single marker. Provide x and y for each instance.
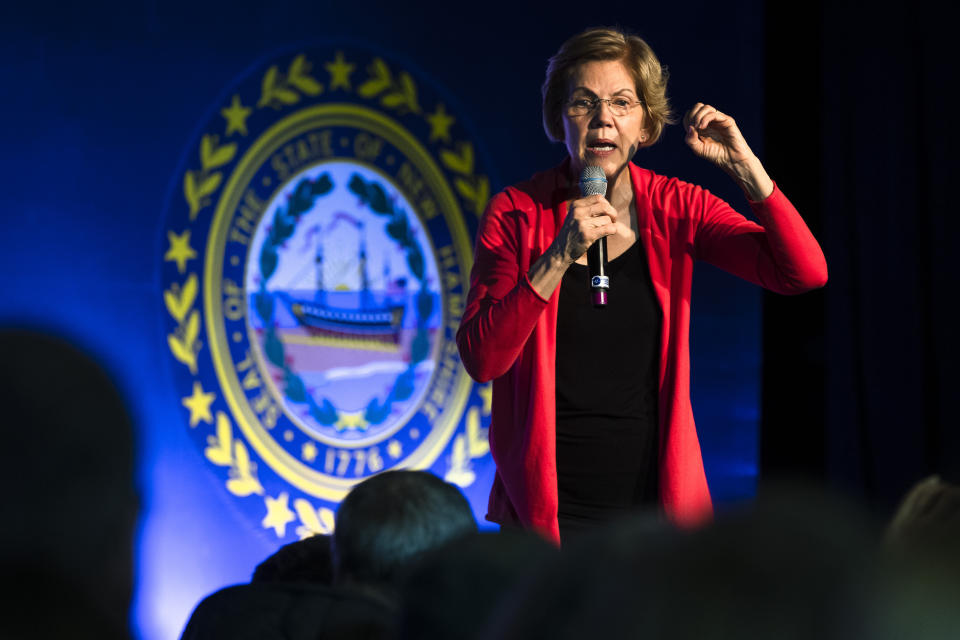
(620, 190)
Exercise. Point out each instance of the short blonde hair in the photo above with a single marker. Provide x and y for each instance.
(603, 43)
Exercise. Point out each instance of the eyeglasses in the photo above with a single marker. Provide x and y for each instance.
(586, 106)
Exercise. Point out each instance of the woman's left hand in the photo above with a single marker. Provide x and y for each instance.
(715, 136)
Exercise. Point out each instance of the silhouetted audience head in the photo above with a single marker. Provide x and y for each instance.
(794, 568)
(388, 520)
(69, 502)
(923, 563)
(928, 514)
(382, 525)
(292, 611)
(451, 592)
(306, 560)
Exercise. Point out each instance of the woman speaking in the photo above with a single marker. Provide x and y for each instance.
(591, 409)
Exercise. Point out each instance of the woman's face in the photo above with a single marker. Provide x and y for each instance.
(601, 138)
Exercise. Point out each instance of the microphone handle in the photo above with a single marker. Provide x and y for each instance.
(599, 281)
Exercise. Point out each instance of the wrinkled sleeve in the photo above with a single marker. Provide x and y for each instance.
(779, 254)
(502, 307)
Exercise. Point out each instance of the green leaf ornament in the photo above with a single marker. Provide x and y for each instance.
(420, 347)
(358, 187)
(403, 388)
(264, 305)
(415, 261)
(322, 185)
(295, 388)
(424, 306)
(397, 230)
(268, 260)
(283, 226)
(378, 199)
(376, 411)
(325, 413)
(273, 348)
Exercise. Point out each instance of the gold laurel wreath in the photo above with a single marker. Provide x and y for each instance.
(183, 341)
(225, 451)
(467, 446)
(313, 521)
(474, 189)
(198, 186)
(399, 94)
(278, 90)
(222, 448)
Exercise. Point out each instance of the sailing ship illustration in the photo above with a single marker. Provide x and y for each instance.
(361, 319)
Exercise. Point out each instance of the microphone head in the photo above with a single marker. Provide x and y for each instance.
(593, 181)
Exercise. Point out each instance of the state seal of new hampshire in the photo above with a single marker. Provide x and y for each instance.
(315, 266)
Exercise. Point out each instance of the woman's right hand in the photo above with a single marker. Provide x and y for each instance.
(588, 219)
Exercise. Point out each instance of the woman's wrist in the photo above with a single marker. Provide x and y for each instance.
(546, 272)
(752, 178)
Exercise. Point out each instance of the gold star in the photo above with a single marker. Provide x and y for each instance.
(236, 116)
(486, 392)
(340, 72)
(278, 514)
(351, 421)
(308, 452)
(394, 450)
(180, 250)
(440, 124)
(199, 405)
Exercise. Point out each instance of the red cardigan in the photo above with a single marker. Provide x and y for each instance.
(508, 331)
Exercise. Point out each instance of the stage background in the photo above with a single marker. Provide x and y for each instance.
(100, 103)
(859, 378)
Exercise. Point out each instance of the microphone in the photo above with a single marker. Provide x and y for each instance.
(594, 182)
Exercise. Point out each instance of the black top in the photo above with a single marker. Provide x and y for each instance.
(607, 362)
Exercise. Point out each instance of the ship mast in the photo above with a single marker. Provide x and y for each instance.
(318, 260)
(386, 276)
(364, 276)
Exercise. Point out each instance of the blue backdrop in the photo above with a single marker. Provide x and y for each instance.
(101, 105)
